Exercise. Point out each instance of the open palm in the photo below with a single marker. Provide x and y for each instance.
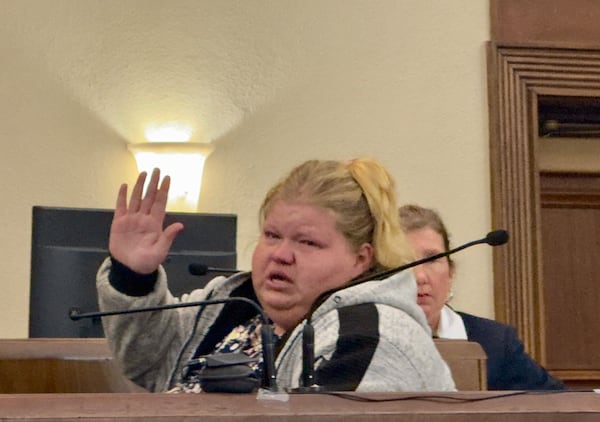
(137, 238)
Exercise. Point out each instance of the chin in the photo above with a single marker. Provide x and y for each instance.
(275, 301)
(423, 303)
(426, 308)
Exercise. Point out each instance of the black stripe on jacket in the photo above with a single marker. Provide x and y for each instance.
(358, 338)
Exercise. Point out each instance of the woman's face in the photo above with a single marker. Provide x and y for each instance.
(434, 278)
(300, 255)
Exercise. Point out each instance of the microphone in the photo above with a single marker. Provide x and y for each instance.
(201, 269)
(309, 384)
(496, 238)
(493, 238)
(308, 354)
(267, 336)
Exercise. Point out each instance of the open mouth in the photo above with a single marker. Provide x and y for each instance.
(278, 275)
(278, 279)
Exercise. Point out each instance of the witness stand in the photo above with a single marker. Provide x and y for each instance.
(76, 379)
(71, 365)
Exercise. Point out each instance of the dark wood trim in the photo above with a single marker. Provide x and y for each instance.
(570, 190)
(563, 23)
(577, 375)
(518, 74)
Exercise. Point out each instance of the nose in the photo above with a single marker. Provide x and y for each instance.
(420, 275)
(282, 252)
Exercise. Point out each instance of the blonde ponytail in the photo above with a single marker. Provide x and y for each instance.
(389, 241)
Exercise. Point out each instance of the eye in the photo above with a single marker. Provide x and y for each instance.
(310, 242)
(429, 254)
(269, 234)
(436, 261)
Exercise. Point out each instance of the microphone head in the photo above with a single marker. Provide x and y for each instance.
(74, 314)
(198, 269)
(497, 237)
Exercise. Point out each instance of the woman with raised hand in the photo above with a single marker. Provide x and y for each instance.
(324, 230)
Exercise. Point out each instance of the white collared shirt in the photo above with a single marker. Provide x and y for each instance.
(451, 325)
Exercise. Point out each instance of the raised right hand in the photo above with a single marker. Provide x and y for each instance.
(137, 238)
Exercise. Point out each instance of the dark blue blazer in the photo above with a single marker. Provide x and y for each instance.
(508, 366)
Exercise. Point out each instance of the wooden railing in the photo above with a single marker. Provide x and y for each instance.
(85, 366)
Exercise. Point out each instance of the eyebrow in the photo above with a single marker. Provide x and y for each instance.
(431, 252)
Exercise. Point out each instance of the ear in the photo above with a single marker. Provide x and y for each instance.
(364, 258)
(452, 272)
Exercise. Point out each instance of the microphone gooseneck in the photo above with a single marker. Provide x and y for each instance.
(493, 238)
(201, 269)
(266, 329)
(75, 315)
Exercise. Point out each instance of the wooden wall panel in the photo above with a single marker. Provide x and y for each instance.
(560, 22)
(538, 48)
(518, 75)
(570, 226)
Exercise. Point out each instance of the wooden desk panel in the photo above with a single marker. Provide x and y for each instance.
(550, 407)
(467, 361)
(85, 366)
(54, 348)
(60, 366)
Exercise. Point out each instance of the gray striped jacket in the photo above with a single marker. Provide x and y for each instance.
(368, 337)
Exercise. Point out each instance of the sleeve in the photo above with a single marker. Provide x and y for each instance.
(145, 345)
(127, 281)
(377, 348)
(520, 371)
(355, 345)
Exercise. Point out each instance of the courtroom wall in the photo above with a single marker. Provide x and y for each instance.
(270, 84)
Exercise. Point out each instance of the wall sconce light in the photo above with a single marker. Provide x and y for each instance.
(183, 161)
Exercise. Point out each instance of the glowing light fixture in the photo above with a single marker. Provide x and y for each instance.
(174, 156)
(183, 161)
(168, 132)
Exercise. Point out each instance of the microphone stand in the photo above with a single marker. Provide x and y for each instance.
(266, 329)
(201, 269)
(75, 315)
(308, 383)
(493, 238)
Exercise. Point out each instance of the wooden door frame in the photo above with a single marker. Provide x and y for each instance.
(517, 75)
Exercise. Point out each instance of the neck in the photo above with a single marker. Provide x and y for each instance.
(278, 329)
(434, 322)
(284, 321)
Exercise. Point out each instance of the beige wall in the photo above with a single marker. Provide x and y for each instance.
(271, 83)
